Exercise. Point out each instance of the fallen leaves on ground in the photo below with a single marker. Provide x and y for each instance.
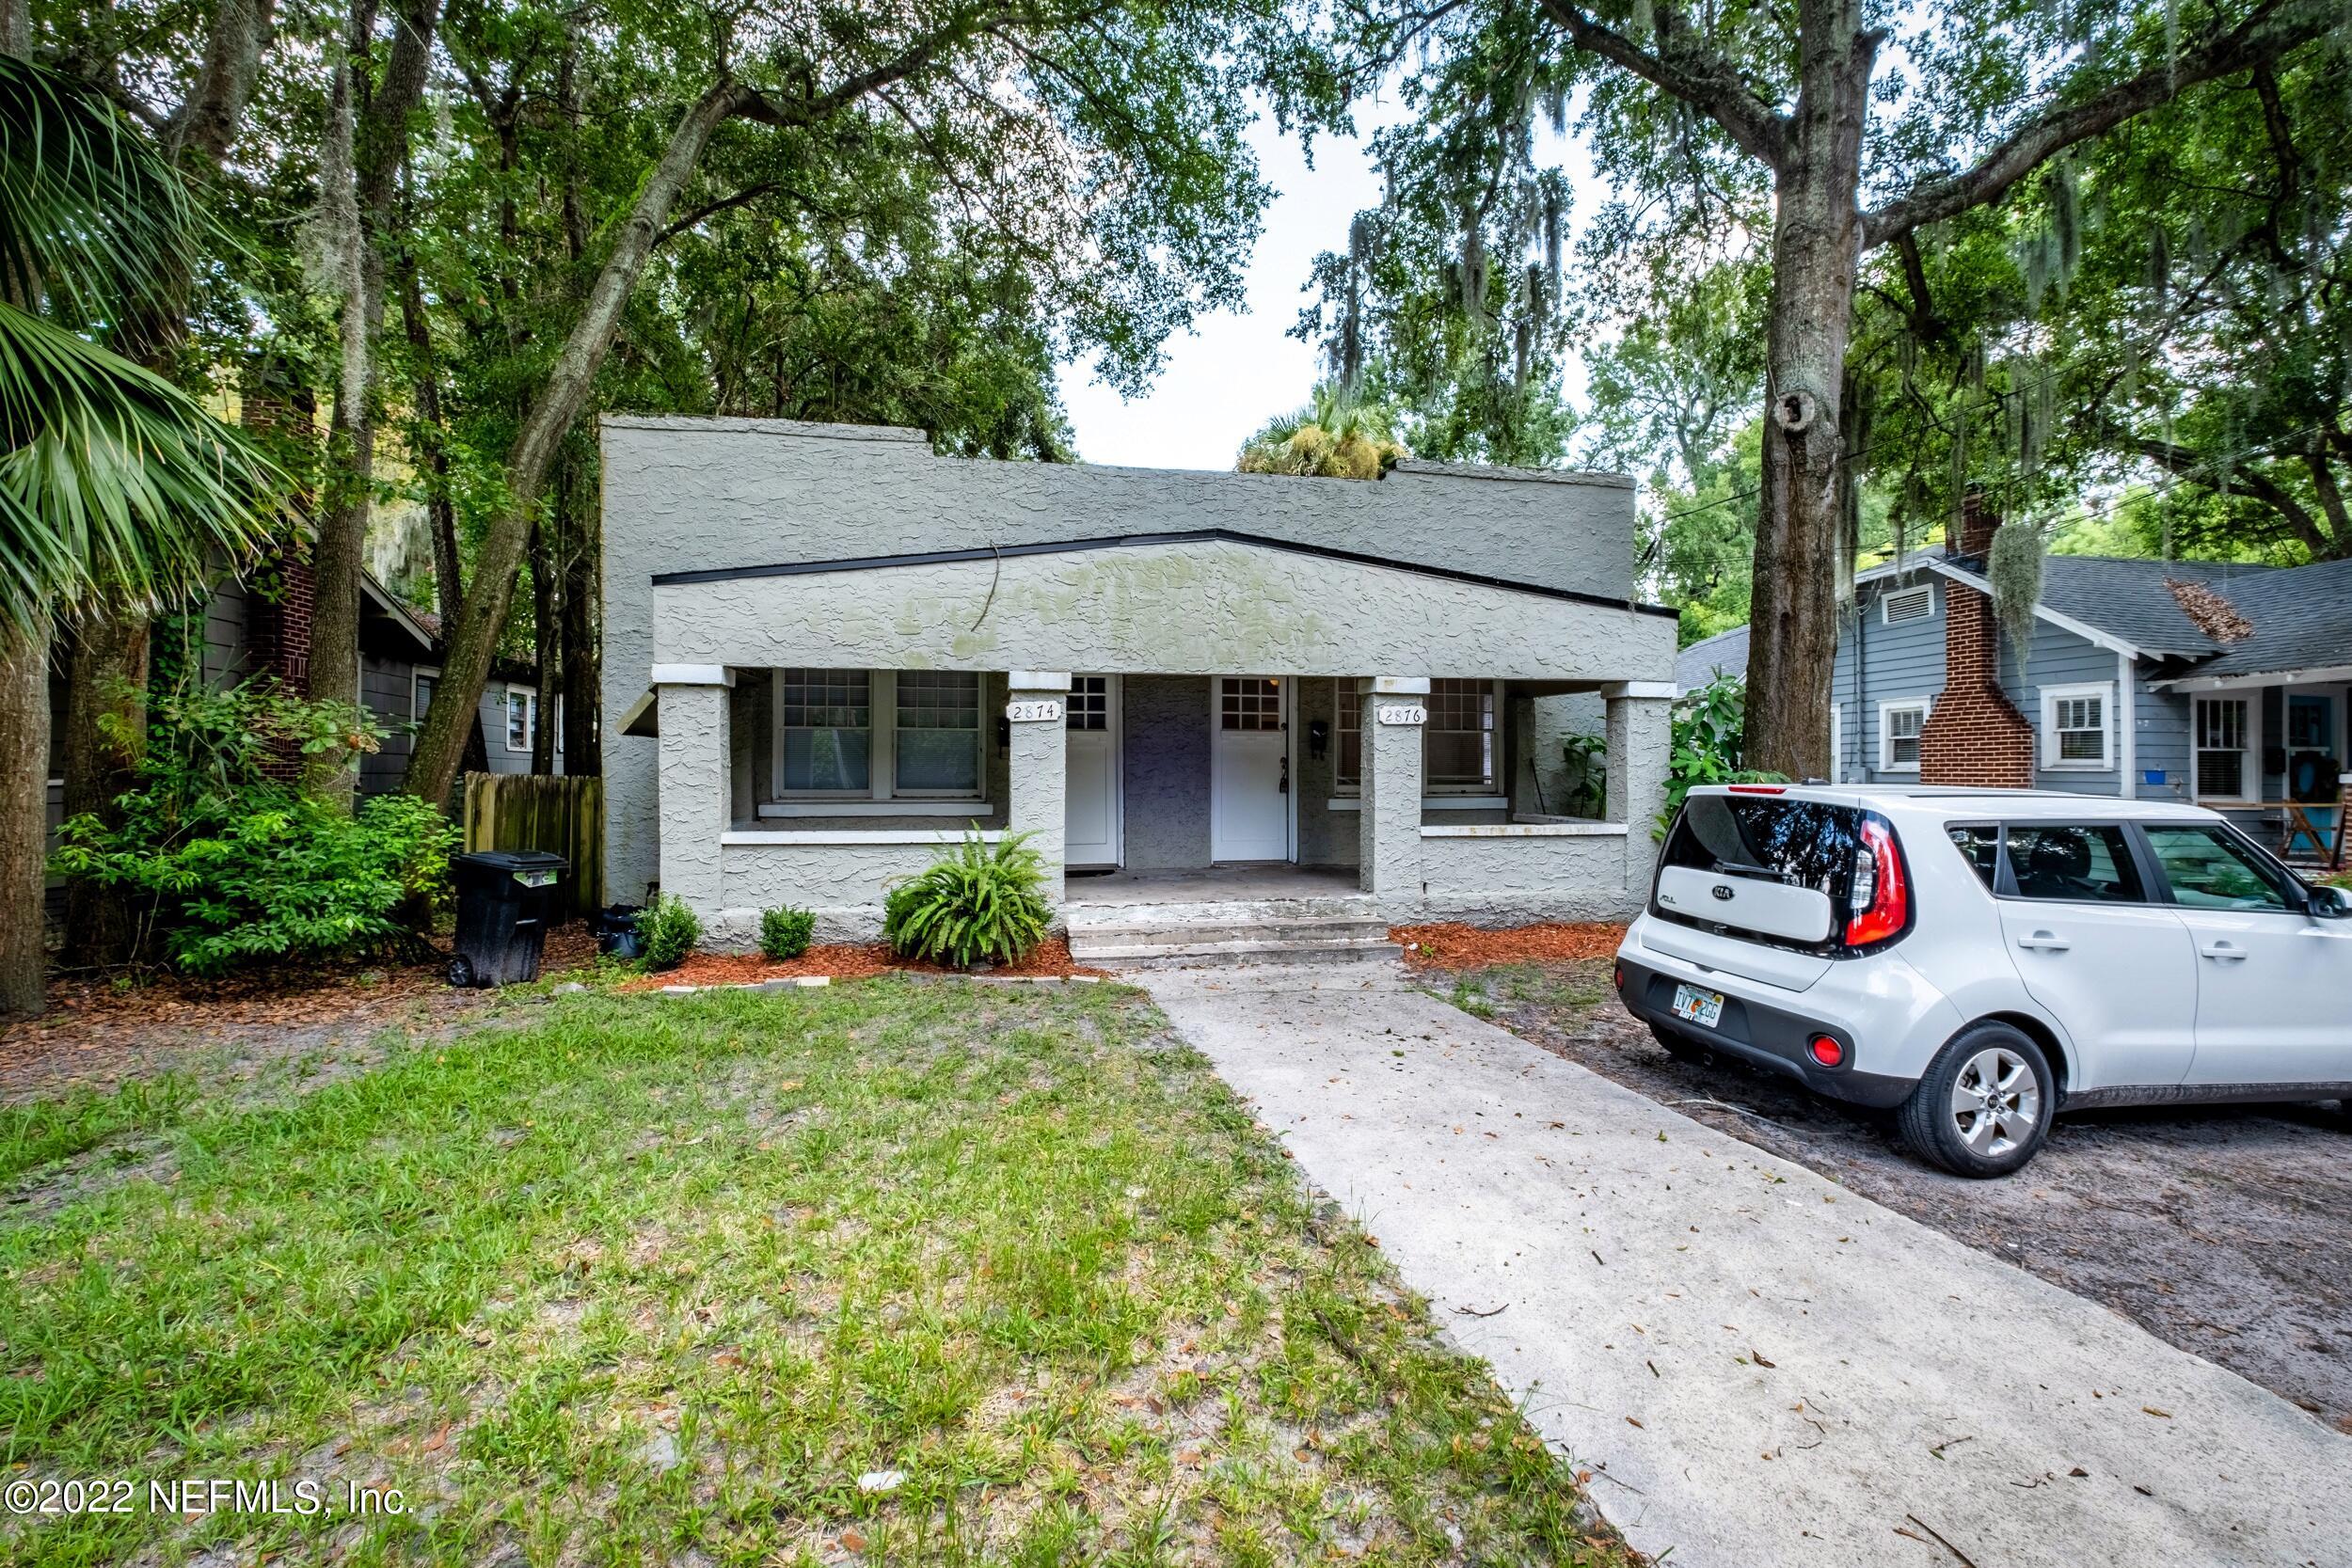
(1451, 944)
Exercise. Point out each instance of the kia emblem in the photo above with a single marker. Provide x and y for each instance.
(1723, 890)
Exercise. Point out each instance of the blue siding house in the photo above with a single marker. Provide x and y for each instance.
(2225, 685)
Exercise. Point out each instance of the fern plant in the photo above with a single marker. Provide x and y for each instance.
(974, 902)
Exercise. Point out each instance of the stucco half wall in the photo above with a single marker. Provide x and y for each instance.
(1163, 608)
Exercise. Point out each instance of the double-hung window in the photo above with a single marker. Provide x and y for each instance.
(1347, 738)
(855, 735)
(2075, 729)
(1458, 745)
(522, 718)
(1900, 726)
(2224, 736)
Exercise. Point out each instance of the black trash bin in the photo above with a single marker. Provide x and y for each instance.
(505, 900)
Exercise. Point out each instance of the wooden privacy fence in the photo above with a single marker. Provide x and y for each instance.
(537, 811)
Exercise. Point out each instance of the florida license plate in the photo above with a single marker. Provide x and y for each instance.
(1693, 1005)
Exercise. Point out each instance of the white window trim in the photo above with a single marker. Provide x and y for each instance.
(2249, 751)
(416, 712)
(881, 761)
(1887, 604)
(1925, 705)
(1344, 700)
(2051, 697)
(506, 726)
(1471, 797)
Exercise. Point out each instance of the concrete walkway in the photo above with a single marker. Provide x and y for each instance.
(1760, 1368)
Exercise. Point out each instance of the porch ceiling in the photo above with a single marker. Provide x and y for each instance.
(1167, 604)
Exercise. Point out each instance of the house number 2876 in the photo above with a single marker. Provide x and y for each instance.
(1400, 714)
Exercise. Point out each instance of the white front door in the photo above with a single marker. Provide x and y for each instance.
(1093, 800)
(1249, 769)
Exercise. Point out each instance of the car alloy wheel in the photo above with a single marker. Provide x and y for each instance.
(1995, 1102)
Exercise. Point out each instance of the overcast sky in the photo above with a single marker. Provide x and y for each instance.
(1236, 372)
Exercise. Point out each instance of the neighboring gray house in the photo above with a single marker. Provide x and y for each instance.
(827, 650)
(1723, 654)
(2226, 685)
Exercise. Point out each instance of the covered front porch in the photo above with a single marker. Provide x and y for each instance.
(1507, 770)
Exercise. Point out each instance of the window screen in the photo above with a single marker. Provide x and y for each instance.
(1459, 742)
(828, 722)
(938, 731)
(2221, 749)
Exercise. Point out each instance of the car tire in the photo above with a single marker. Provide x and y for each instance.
(1984, 1106)
(1681, 1047)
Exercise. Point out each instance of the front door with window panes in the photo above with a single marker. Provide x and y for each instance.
(1249, 769)
(1092, 799)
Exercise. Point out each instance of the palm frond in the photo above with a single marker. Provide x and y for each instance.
(108, 474)
(90, 215)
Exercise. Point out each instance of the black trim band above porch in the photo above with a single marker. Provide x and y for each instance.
(1195, 537)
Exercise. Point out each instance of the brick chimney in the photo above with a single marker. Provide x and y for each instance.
(281, 587)
(1974, 735)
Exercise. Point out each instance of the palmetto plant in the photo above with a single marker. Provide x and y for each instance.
(1338, 435)
(972, 903)
(113, 482)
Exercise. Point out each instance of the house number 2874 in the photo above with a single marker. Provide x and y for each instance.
(1040, 711)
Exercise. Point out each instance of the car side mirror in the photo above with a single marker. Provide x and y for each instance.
(2331, 903)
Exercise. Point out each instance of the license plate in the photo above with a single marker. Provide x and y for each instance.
(1693, 1005)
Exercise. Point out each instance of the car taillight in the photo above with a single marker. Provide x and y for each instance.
(1879, 900)
(1616, 976)
(1826, 1050)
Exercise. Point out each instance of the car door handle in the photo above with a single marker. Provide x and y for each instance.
(2046, 942)
(2225, 951)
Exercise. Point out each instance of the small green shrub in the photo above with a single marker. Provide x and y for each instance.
(1709, 727)
(972, 903)
(1587, 777)
(784, 933)
(670, 930)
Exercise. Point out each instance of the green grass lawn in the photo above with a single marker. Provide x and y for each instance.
(660, 1279)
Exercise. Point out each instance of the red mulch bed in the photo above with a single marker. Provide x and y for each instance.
(843, 962)
(1450, 944)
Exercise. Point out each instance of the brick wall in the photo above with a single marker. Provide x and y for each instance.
(1974, 735)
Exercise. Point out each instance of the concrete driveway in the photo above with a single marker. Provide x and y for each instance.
(1760, 1367)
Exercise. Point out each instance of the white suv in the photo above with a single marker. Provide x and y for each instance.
(1986, 959)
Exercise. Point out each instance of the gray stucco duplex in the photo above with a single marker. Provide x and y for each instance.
(828, 650)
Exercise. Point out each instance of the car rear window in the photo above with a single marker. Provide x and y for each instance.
(1802, 843)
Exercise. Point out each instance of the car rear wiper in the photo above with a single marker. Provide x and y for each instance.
(1741, 868)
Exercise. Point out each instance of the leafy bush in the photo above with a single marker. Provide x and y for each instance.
(225, 865)
(1587, 779)
(784, 933)
(1708, 724)
(670, 930)
(972, 903)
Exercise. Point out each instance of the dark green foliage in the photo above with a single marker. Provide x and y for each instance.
(974, 903)
(1709, 727)
(1587, 760)
(227, 866)
(670, 929)
(784, 933)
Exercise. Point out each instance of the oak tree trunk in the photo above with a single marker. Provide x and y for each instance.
(433, 767)
(1817, 247)
(583, 689)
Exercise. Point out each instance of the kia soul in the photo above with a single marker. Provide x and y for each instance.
(1980, 961)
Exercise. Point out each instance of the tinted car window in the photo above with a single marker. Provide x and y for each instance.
(2073, 864)
(2206, 870)
(1803, 842)
(1977, 843)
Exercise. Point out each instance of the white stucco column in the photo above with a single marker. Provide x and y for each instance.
(1640, 736)
(1036, 705)
(1395, 710)
(695, 781)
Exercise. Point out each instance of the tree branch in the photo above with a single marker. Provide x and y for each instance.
(2186, 464)
(1687, 69)
(2273, 28)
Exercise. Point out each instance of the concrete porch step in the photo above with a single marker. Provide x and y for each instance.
(1217, 955)
(1090, 911)
(1185, 934)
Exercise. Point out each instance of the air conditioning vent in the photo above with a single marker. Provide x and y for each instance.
(1911, 604)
